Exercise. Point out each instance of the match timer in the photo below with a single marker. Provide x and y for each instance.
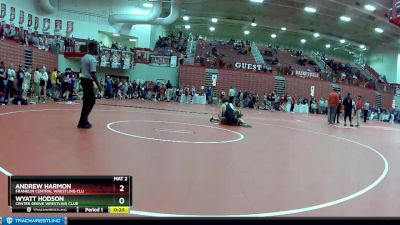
(70, 194)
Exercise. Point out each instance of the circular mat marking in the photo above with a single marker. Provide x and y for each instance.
(239, 138)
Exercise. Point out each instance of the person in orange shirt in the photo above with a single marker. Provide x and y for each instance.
(333, 102)
(359, 108)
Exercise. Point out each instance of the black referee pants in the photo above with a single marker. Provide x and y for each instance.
(89, 99)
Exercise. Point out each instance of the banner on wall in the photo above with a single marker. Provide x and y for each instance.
(105, 55)
(21, 17)
(36, 23)
(70, 27)
(29, 20)
(312, 91)
(3, 10)
(12, 14)
(57, 25)
(158, 60)
(248, 66)
(116, 56)
(46, 25)
(306, 74)
(126, 60)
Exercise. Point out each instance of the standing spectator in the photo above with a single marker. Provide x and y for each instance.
(11, 78)
(54, 84)
(232, 93)
(20, 79)
(366, 110)
(359, 108)
(3, 77)
(333, 102)
(44, 77)
(109, 88)
(339, 109)
(26, 83)
(348, 108)
(292, 103)
(168, 92)
(36, 84)
(163, 89)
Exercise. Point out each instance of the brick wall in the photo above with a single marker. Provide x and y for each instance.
(302, 87)
(12, 52)
(245, 81)
(387, 100)
(40, 58)
(192, 76)
(261, 83)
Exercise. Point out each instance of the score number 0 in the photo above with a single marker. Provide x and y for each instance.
(121, 189)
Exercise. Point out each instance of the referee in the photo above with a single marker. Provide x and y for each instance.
(88, 75)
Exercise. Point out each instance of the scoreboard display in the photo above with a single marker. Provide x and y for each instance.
(70, 194)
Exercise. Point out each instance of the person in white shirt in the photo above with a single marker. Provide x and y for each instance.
(11, 78)
(26, 84)
(44, 77)
(36, 83)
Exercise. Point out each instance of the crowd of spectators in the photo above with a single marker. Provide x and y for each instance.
(24, 85)
(173, 44)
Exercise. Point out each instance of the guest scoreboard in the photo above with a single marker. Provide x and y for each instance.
(70, 194)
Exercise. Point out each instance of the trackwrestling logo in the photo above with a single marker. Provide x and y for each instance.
(9, 220)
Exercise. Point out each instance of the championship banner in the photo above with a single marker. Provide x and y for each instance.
(46, 25)
(157, 60)
(306, 74)
(3, 10)
(21, 17)
(36, 23)
(116, 56)
(70, 27)
(29, 20)
(57, 25)
(12, 14)
(126, 60)
(105, 56)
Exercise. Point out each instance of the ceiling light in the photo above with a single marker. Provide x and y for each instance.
(362, 46)
(212, 28)
(257, 1)
(187, 27)
(310, 10)
(342, 41)
(345, 18)
(253, 24)
(116, 35)
(214, 20)
(246, 32)
(186, 18)
(328, 46)
(370, 8)
(303, 41)
(273, 35)
(147, 5)
(283, 28)
(378, 30)
(316, 35)
(132, 40)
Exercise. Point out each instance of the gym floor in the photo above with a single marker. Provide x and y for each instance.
(183, 165)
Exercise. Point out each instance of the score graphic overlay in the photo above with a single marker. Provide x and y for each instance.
(70, 194)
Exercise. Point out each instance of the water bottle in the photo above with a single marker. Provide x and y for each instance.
(19, 102)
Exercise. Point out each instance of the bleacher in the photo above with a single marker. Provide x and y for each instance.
(230, 55)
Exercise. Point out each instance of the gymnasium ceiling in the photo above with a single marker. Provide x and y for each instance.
(235, 16)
